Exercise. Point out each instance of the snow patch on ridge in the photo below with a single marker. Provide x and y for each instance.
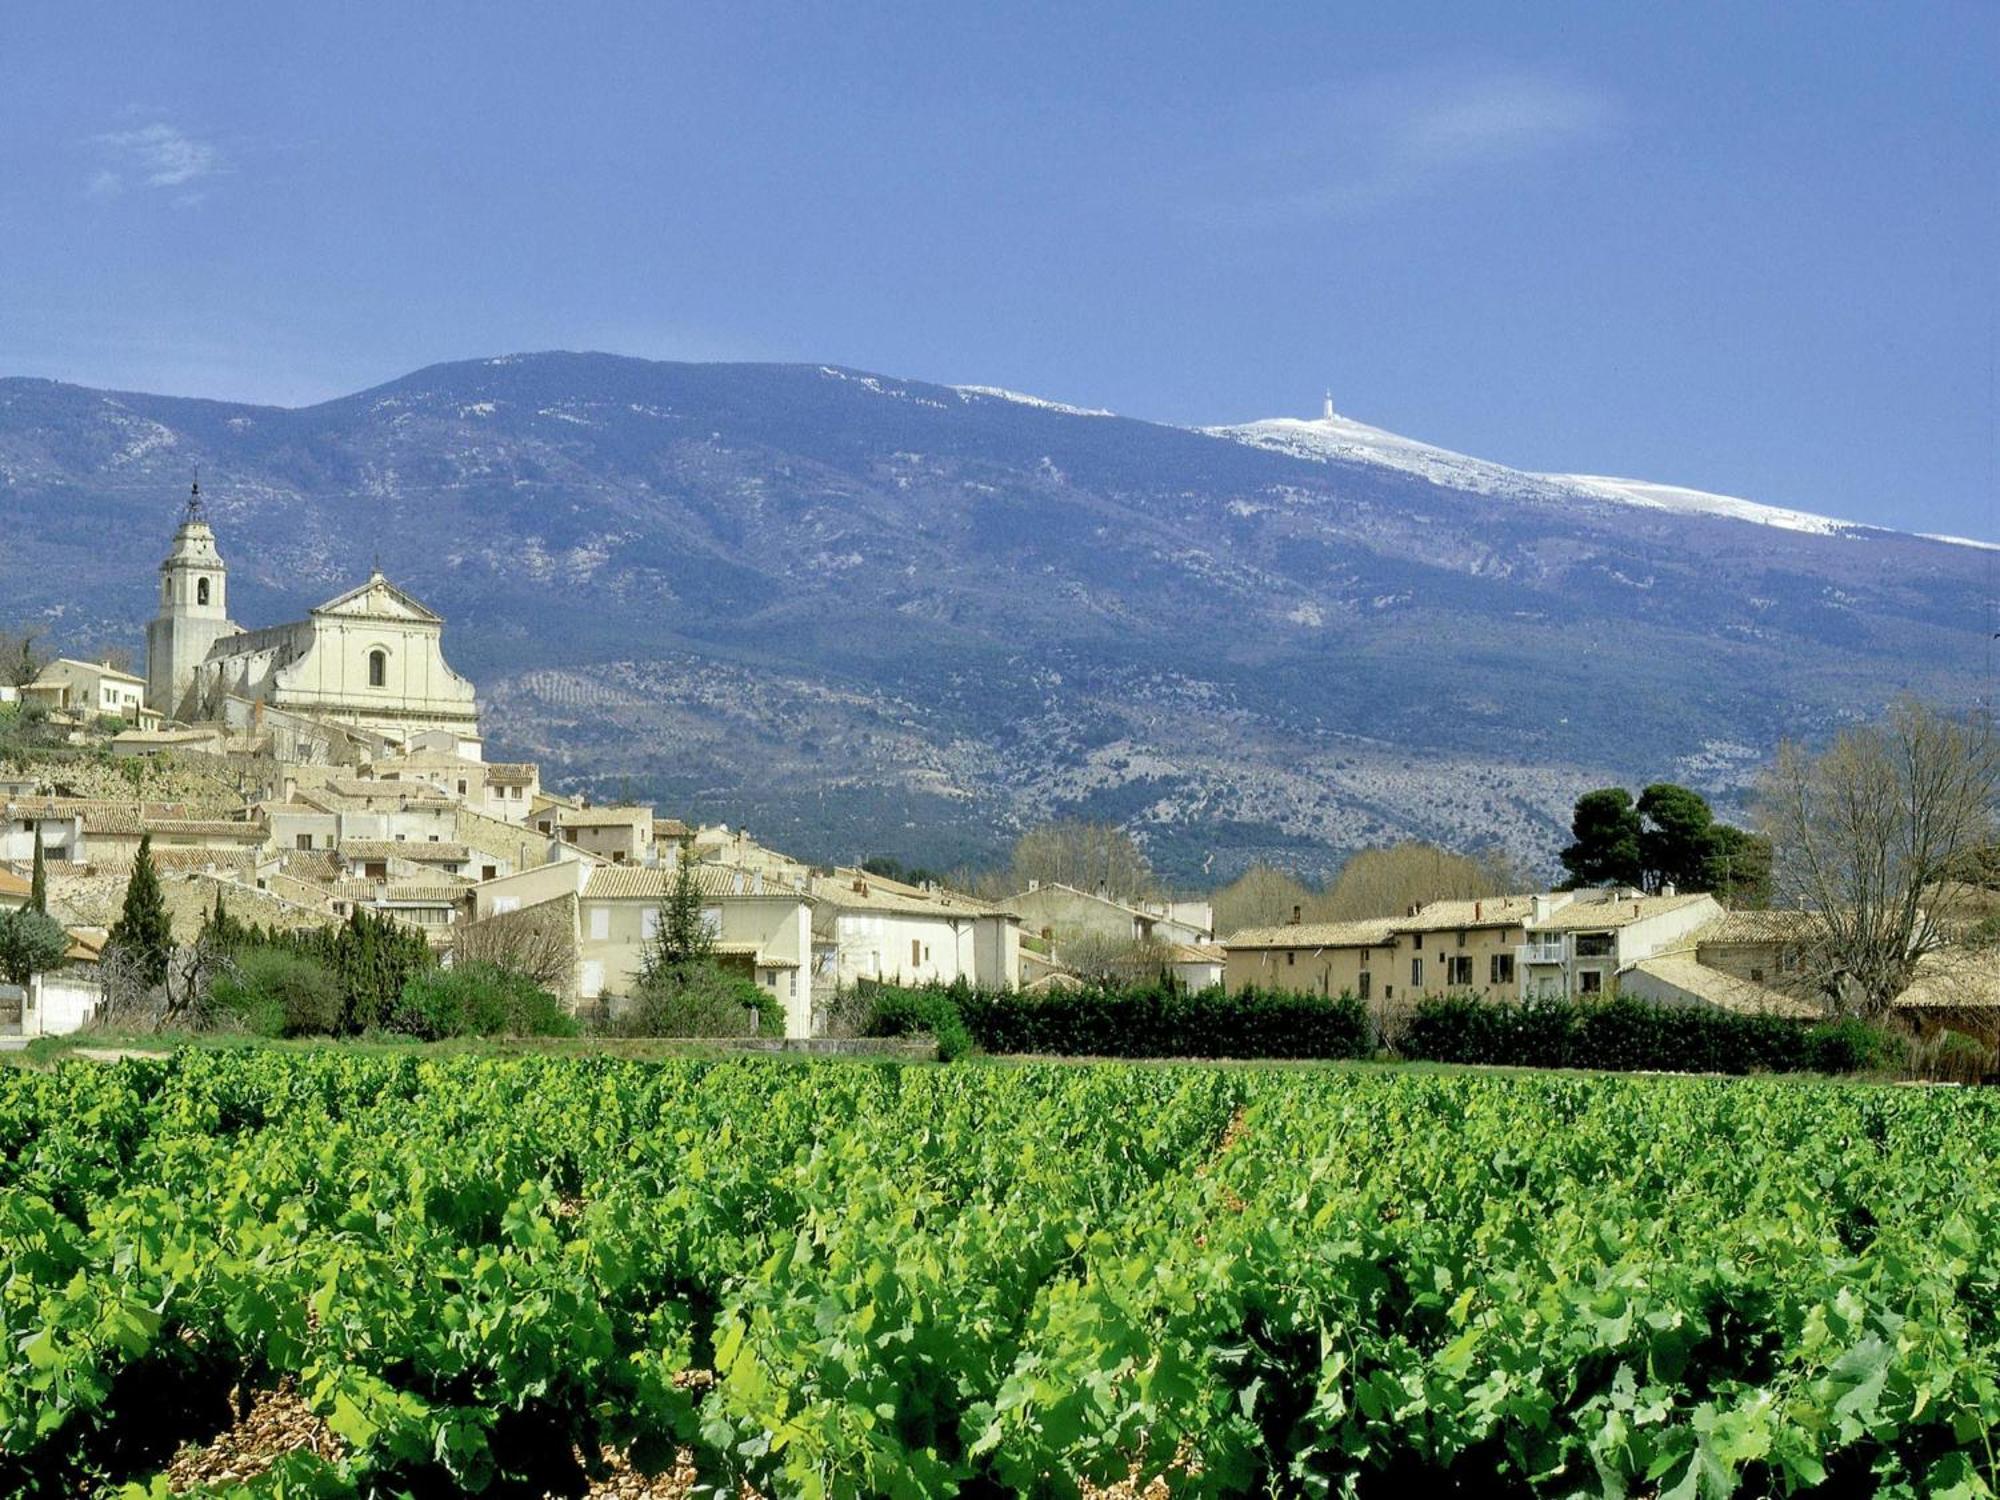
(1342, 439)
(1022, 398)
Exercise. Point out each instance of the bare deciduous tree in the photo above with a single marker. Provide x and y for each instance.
(21, 659)
(182, 1002)
(537, 943)
(1388, 882)
(1088, 856)
(1095, 957)
(1867, 836)
(1262, 896)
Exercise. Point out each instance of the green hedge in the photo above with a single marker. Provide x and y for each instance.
(1156, 1020)
(1627, 1035)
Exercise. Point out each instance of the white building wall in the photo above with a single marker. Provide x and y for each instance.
(60, 1003)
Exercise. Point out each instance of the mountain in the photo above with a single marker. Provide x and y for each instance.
(861, 614)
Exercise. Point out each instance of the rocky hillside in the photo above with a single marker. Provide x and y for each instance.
(861, 614)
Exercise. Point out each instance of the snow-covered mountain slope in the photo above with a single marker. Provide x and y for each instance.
(1335, 438)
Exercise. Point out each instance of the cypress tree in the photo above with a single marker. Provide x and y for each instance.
(38, 895)
(143, 927)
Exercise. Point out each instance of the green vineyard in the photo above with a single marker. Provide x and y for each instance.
(500, 1276)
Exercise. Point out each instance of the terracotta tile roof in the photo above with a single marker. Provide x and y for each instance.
(202, 859)
(651, 883)
(1196, 953)
(418, 894)
(1756, 927)
(512, 773)
(131, 825)
(422, 852)
(1596, 911)
(13, 885)
(857, 890)
(1375, 932)
(1488, 911)
(316, 865)
(1725, 991)
(1954, 979)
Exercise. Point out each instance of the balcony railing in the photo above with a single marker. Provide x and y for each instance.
(1540, 952)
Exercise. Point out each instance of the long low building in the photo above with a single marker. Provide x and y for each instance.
(1541, 945)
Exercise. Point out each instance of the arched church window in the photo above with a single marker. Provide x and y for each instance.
(201, 591)
(378, 668)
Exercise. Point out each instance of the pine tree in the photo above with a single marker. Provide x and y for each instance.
(143, 927)
(681, 935)
(38, 894)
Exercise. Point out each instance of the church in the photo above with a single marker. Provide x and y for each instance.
(372, 658)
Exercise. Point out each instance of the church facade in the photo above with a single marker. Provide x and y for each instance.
(372, 658)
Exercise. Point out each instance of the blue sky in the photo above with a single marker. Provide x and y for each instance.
(1746, 247)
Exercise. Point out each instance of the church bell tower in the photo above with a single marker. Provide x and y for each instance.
(194, 609)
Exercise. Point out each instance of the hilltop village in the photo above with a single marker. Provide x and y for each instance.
(303, 772)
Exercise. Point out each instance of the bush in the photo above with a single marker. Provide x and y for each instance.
(274, 993)
(933, 1013)
(1627, 1034)
(477, 999)
(1142, 1020)
(698, 1000)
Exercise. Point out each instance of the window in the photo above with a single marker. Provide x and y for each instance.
(1416, 973)
(489, 872)
(461, 786)
(303, 841)
(649, 924)
(1590, 982)
(1366, 954)
(916, 951)
(1417, 941)
(1367, 983)
(1756, 976)
(1594, 945)
(378, 668)
(1461, 937)
(1291, 958)
(1503, 968)
(1458, 969)
(201, 591)
(600, 923)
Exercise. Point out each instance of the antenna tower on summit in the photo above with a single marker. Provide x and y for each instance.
(1326, 413)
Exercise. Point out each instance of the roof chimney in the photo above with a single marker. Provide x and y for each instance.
(1478, 910)
(1667, 888)
(1296, 914)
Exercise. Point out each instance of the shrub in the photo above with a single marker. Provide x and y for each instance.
(477, 999)
(928, 1012)
(274, 993)
(698, 1000)
(1854, 1046)
(1142, 1020)
(31, 943)
(1627, 1034)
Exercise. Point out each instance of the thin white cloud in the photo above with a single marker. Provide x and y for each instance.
(158, 155)
(1394, 139)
